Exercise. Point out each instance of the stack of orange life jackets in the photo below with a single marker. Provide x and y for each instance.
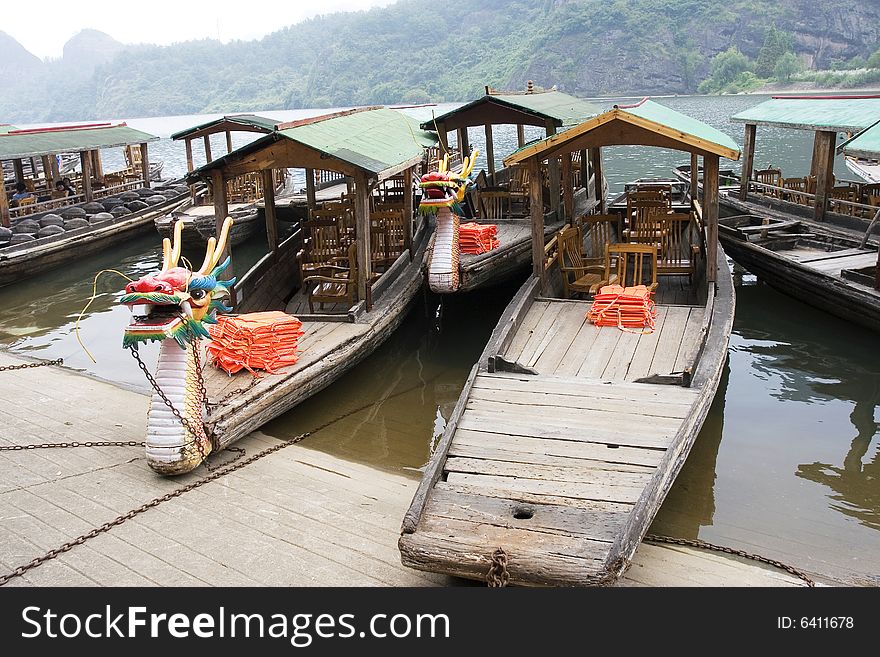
(255, 341)
(625, 308)
(477, 238)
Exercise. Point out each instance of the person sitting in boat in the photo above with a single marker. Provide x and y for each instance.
(21, 192)
(63, 188)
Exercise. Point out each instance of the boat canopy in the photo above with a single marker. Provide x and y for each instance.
(237, 122)
(376, 141)
(647, 123)
(865, 144)
(527, 108)
(816, 113)
(6, 127)
(37, 142)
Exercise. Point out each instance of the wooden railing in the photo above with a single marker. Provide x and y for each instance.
(324, 179)
(841, 206)
(54, 203)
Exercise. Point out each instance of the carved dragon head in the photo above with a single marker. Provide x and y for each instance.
(444, 188)
(177, 302)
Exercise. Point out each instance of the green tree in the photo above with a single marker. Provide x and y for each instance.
(776, 44)
(787, 66)
(726, 67)
(874, 60)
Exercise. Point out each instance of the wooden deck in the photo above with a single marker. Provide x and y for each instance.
(296, 518)
(565, 464)
(832, 262)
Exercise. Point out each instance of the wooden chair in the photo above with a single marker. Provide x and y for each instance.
(579, 273)
(495, 203)
(645, 210)
(843, 193)
(518, 188)
(678, 252)
(381, 246)
(618, 270)
(341, 212)
(25, 202)
(769, 177)
(321, 246)
(796, 185)
(395, 222)
(334, 283)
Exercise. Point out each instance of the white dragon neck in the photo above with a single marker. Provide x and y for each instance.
(443, 267)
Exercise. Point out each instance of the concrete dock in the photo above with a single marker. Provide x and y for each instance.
(298, 517)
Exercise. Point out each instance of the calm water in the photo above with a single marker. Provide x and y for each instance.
(787, 464)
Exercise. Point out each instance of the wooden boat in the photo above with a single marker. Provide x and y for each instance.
(200, 222)
(356, 308)
(567, 437)
(551, 110)
(18, 261)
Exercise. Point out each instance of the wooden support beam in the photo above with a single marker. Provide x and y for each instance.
(567, 188)
(748, 159)
(695, 179)
(442, 136)
(145, 165)
(97, 165)
(710, 213)
(221, 207)
(464, 144)
(310, 190)
(18, 168)
(269, 207)
(520, 134)
(47, 171)
(553, 172)
(814, 162)
(228, 141)
(596, 162)
(408, 210)
(585, 170)
(824, 157)
(4, 208)
(208, 156)
(189, 166)
(537, 212)
(490, 151)
(85, 162)
(53, 167)
(362, 228)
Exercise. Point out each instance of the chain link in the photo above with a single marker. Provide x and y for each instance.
(25, 366)
(88, 443)
(697, 543)
(498, 576)
(107, 526)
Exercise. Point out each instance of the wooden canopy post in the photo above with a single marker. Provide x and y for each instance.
(464, 145)
(229, 142)
(814, 162)
(4, 208)
(553, 173)
(221, 206)
(408, 211)
(189, 166)
(145, 165)
(362, 228)
(85, 162)
(824, 157)
(695, 179)
(442, 136)
(47, 171)
(53, 167)
(748, 160)
(271, 215)
(567, 188)
(596, 161)
(490, 151)
(710, 213)
(18, 168)
(520, 134)
(585, 170)
(311, 196)
(537, 212)
(208, 157)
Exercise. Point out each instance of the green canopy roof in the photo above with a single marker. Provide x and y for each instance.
(831, 113)
(541, 106)
(865, 144)
(68, 139)
(646, 123)
(247, 122)
(378, 141)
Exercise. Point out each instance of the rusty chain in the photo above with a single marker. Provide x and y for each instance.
(87, 443)
(498, 576)
(156, 501)
(697, 543)
(25, 366)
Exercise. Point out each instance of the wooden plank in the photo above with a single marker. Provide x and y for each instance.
(580, 387)
(690, 342)
(541, 401)
(710, 212)
(571, 318)
(85, 163)
(622, 356)
(490, 150)
(546, 472)
(580, 345)
(833, 266)
(748, 159)
(670, 339)
(526, 330)
(544, 518)
(597, 358)
(823, 156)
(541, 336)
(640, 365)
(575, 490)
(145, 165)
(522, 449)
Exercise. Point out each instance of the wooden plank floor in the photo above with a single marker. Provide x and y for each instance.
(296, 518)
(555, 338)
(831, 262)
